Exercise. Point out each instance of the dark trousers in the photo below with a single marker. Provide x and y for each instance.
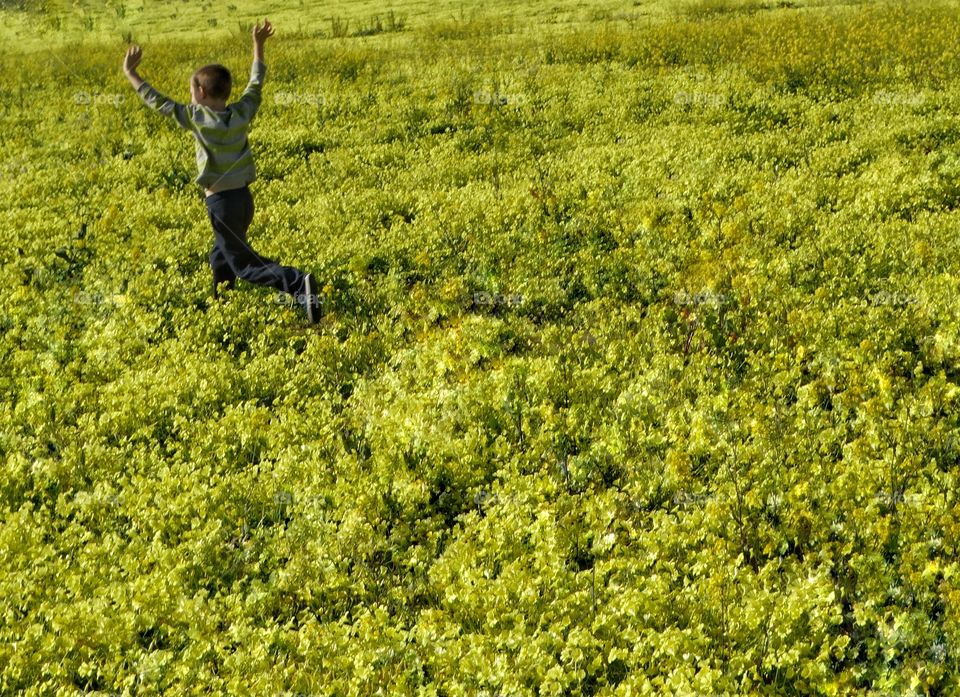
(230, 213)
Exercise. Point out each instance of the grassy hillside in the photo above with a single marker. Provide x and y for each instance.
(638, 374)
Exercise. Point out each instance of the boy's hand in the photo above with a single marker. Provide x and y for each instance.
(130, 63)
(132, 59)
(261, 34)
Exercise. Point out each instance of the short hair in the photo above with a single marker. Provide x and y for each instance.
(215, 80)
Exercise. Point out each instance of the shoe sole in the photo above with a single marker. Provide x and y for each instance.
(309, 299)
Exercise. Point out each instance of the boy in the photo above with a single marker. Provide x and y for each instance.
(226, 168)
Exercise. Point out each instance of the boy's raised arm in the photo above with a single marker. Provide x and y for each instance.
(249, 101)
(260, 36)
(130, 63)
(152, 98)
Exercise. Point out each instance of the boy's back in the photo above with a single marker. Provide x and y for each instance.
(224, 160)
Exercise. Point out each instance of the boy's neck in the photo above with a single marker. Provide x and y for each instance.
(216, 105)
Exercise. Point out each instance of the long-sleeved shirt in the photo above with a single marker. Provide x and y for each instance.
(224, 159)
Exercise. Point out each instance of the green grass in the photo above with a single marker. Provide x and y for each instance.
(36, 24)
(638, 372)
(44, 23)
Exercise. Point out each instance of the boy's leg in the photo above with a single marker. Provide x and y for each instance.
(230, 214)
(222, 273)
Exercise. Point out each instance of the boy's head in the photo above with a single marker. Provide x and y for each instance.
(210, 85)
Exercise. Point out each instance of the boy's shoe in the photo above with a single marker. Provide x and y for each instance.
(310, 300)
(218, 281)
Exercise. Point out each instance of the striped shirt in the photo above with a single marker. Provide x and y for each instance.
(224, 159)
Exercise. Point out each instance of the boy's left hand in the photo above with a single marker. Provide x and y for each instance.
(132, 59)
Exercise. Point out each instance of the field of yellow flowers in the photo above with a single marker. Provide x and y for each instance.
(639, 372)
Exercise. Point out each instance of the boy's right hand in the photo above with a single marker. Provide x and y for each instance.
(261, 34)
